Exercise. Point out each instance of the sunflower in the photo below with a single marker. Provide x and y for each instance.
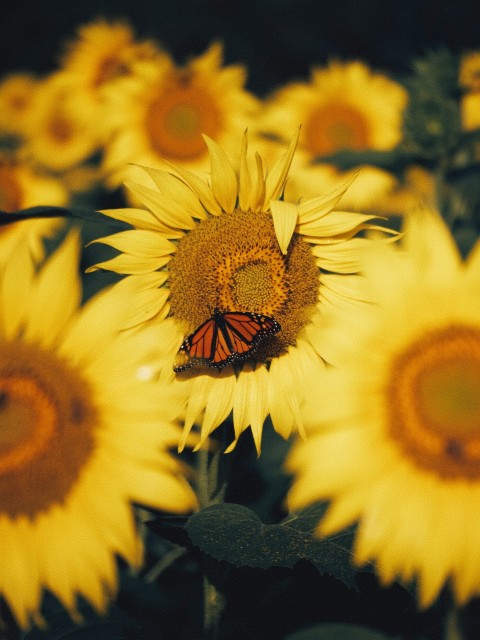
(232, 243)
(83, 437)
(370, 191)
(344, 106)
(16, 99)
(164, 117)
(470, 110)
(469, 71)
(394, 430)
(22, 187)
(102, 54)
(57, 137)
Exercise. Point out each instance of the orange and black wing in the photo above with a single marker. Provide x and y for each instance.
(199, 347)
(245, 330)
(225, 338)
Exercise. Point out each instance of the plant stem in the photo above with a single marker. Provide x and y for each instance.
(213, 603)
(208, 493)
(452, 627)
(202, 479)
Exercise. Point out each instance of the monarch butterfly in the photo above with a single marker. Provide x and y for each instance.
(225, 338)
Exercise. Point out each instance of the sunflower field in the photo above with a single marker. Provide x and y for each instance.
(240, 322)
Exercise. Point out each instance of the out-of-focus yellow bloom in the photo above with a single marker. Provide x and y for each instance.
(16, 98)
(57, 137)
(20, 188)
(344, 106)
(469, 72)
(84, 436)
(470, 111)
(102, 55)
(164, 116)
(393, 438)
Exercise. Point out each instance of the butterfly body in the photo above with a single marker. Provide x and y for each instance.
(225, 338)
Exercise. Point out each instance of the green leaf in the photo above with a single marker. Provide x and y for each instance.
(337, 632)
(85, 215)
(235, 534)
(394, 160)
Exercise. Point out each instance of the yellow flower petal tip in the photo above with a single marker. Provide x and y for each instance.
(285, 217)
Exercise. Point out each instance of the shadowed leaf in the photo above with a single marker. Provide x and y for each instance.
(235, 534)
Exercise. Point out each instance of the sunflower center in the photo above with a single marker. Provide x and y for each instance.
(252, 285)
(18, 101)
(60, 129)
(435, 401)
(336, 126)
(234, 262)
(47, 422)
(177, 118)
(10, 190)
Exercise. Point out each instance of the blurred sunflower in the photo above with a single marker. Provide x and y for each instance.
(57, 137)
(22, 187)
(393, 431)
(344, 106)
(83, 437)
(469, 71)
(232, 243)
(470, 110)
(16, 99)
(164, 117)
(101, 54)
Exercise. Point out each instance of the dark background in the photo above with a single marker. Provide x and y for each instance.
(278, 40)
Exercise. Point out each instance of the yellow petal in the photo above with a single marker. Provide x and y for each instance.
(174, 189)
(173, 218)
(17, 283)
(257, 195)
(224, 178)
(275, 182)
(343, 257)
(250, 402)
(244, 181)
(86, 335)
(284, 401)
(130, 264)
(139, 242)
(219, 403)
(429, 242)
(335, 223)
(312, 210)
(200, 188)
(139, 218)
(285, 216)
(55, 299)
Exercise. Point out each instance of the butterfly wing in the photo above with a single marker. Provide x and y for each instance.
(245, 330)
(199, 347)
(225, 338)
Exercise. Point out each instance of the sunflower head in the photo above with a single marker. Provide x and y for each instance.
(469, 72)
(396, 444)
(344, 105)
(218, 263)
(16, 101)
(164, 114)
(82, 438)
